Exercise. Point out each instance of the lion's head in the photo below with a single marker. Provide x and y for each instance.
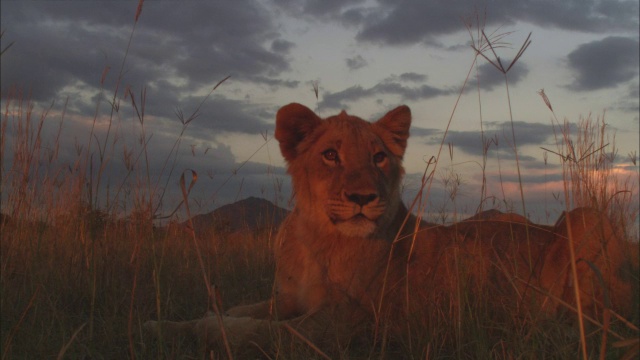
(346, 172)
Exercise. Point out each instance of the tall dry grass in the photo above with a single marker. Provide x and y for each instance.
(80, 273)
(82, 260)
(591, 180)
(78, 279)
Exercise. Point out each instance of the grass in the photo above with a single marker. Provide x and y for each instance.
(80, 272)
(55, 282)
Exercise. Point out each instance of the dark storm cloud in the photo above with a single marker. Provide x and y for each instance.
(46, 57)
(316, 8)
(411, 22)
(389, 86)
(588, 16)
(62, 43)
(604, 64)
(391, 22)
(417, 21)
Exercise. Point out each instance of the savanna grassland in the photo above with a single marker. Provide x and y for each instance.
(83, 265)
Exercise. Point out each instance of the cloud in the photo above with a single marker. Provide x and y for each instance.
(594, 16)
(411, 22)
(62, 44)
(389, 86)
(220, 114)
(502, 192)
(356, 62)
(388, 22)
(497, 135)
(179, 51)
(417, 21)
(489, 77)
(629, 102)
(604, 63)
(533, 178)
(282, 46)
(423, 132)
(337, 100)
(316, 8)
(270, 81)
(413, 77)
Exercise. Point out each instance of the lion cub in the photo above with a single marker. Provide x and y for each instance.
(351, 259)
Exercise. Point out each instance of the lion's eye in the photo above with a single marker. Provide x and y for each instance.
(331, 155)
(379, 158)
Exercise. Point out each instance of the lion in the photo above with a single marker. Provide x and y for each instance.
(352, 259)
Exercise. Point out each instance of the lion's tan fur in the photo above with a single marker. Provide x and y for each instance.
(351, 254)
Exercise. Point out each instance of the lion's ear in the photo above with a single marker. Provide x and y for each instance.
(395, 125)
(293, 123)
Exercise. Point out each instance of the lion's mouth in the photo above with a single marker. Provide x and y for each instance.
(354, 219)
(358, 225)
(359, 217)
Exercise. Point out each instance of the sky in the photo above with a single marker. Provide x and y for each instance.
(365, 57)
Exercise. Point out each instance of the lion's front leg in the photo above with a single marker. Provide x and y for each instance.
(247, 335)
(213, 331)
(281, 307)
(261, 310)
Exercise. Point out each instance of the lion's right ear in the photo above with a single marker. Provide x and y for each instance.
(395, 125)
(294, 122)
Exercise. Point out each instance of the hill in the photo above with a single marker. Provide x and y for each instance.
(249, 214)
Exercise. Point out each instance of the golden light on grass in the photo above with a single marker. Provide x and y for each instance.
(139, 10)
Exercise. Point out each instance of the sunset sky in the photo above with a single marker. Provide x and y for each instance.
(366, 57)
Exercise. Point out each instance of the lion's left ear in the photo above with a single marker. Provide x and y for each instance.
(395, 129)
(294, 122)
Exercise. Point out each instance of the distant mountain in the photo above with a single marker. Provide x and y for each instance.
(494, 214)
(485, 215)
(249, 214)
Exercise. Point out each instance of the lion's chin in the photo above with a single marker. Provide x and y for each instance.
(358, 226)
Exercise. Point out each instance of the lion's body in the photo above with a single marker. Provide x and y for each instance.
(350, 253)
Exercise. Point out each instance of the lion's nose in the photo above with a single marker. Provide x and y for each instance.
(360, 199)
